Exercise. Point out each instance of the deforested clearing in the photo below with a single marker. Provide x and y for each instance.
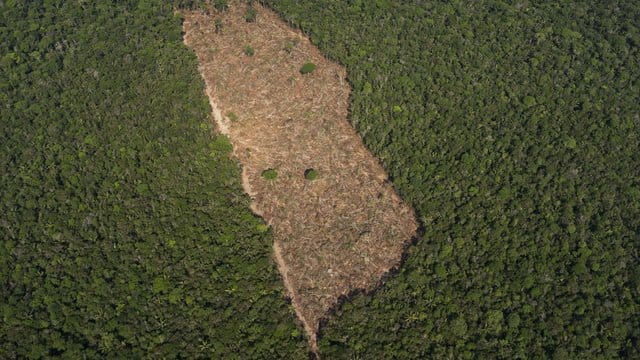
(338, 224)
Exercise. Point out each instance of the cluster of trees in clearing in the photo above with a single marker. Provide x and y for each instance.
(124, 231)
(512, 128)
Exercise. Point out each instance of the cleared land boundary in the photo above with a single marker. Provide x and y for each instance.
(333, 234)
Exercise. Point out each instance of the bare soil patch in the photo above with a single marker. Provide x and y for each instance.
(338, 230)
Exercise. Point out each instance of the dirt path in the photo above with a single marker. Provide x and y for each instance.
(311, 329)
(339, 232)
(277, 253)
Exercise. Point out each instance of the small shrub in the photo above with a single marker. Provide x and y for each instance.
(307, 68)
(218, 25)
(290, 44)
(270, 174)
(233, 117)
(250, 14)
(311, 174)
(249, 51)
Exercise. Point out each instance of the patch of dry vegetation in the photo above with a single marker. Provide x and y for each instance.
(339, 232)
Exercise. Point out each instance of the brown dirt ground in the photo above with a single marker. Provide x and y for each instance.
(340, 232)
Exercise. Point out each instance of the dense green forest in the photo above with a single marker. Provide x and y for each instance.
(124, 231)
(513, 128)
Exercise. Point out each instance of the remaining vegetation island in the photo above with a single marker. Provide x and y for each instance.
(511, 128)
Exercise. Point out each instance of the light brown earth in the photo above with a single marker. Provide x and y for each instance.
(340, 232)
